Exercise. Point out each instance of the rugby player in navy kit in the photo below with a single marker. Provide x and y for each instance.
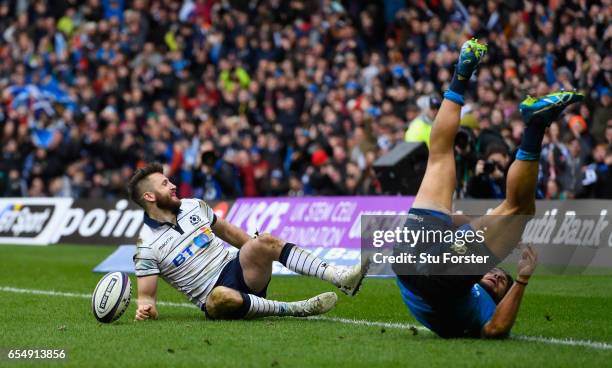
(485, 302)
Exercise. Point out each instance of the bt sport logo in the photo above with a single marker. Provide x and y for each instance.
(200, 241)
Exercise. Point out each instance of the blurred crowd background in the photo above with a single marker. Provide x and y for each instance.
(282, 97)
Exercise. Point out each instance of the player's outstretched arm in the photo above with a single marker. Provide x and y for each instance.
(231, 234)
(147, 295)
(505, 314)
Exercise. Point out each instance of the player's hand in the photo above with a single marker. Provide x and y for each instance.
(528, 262)
(146, 311)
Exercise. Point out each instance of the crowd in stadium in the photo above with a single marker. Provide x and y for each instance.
(273, 97)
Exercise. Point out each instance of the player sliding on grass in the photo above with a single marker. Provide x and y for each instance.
(181, 242)
(486, 304)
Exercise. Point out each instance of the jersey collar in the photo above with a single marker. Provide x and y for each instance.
(154, 224)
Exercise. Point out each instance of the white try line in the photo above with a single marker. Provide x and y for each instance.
(9, 289)
(392, 325)
(415, 328)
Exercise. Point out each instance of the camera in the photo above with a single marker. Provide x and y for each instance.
(209, 158)
(464, 138)
(489, 167)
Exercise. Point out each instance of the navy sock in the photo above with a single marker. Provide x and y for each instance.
(456, 89)
(459, 84)
(531, 143)
(284, 255)
(243, 309)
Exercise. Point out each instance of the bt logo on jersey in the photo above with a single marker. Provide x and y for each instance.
(200, 241)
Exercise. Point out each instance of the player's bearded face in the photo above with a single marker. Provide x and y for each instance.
(167, 200)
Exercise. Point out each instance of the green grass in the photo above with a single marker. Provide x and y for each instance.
(556, 306)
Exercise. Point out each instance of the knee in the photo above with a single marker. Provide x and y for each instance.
(269, 239)
(268, 244)
(222, 301)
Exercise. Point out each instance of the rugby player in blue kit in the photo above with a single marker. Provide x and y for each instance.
(483, 303)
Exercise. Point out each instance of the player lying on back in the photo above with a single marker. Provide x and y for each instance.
(484, 304)
(181, 241)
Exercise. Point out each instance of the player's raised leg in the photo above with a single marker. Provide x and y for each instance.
(438, 185)
(505, 223)
(257, 255)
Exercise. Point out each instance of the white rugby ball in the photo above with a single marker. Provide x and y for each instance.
(111, 297)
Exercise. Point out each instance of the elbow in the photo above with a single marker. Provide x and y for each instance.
(492, 331)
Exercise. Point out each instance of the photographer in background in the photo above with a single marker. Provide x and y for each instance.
(465, 158)
(490, 174)
(217, 177)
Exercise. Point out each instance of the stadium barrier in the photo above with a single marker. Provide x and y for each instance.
(328, 226)
(45, 221)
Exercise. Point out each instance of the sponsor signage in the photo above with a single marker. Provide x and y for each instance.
(329, 227)
(43, 221)
(99, 222)
(567, 233)
(103, 222)
(327, 222)
(577, 232)
(30, 221)
(584, 223)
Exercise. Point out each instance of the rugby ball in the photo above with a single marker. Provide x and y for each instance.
(111, 297)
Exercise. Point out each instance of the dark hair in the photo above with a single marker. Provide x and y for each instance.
(496, 148)
(509, 283)
(134, 188)
(509, 278)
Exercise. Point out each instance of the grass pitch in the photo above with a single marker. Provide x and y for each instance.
(555, 308)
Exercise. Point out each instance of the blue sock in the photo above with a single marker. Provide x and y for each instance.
(531, 143)
(455, 97)
(526, 156)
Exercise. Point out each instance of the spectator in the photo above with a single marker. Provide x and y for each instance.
(597, 174)
(602, 113)
(296, 188)
(554, 158)
(571, 178)
(465, 153)
(419, 129)
(490, 174)
(554, 189)
(603, 186)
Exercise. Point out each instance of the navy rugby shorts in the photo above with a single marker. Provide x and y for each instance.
(440, 283)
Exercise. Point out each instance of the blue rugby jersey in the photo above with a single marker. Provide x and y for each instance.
(461, 317)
